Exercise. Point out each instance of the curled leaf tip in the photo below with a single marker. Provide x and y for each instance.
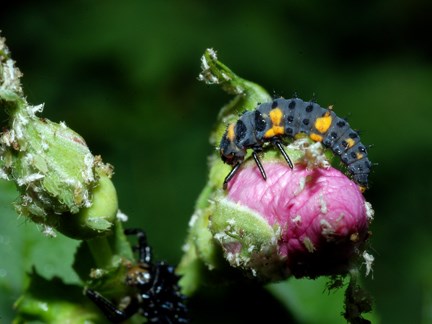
(207, 74)
(215, 72)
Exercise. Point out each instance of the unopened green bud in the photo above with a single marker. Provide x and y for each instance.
(55, 172)
(51, 165)
(61, 183)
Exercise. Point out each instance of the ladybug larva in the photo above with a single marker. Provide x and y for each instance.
(272, 121)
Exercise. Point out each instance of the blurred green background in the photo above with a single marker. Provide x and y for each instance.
(124, 76)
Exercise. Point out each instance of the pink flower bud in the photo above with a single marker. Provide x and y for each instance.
(321, 214)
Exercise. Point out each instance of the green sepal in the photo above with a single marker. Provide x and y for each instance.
(248, 241)
(94, 221)
(201, 253)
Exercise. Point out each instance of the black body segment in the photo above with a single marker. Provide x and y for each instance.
(264, 122)
(245, 134)
(157, 295)
(272, 121)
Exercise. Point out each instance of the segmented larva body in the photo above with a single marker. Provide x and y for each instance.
(271, 121)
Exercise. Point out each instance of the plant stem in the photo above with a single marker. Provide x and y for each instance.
(101, 251)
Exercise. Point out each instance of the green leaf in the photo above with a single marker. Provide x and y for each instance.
(311, 302)
(53, 301)
(18, 253)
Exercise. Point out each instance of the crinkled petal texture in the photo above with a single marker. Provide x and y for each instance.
(321, 214)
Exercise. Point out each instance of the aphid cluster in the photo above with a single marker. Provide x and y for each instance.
(272, 121)
(157, 296)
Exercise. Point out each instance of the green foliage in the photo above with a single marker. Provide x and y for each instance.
(53, 301)
(312, 301)
(18, 239)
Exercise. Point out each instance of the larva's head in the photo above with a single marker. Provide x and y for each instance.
(230, 153)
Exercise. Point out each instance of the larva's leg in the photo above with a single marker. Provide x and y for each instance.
(258, 163)
(284, 154)
(144, 250)
(237, 166)
(113, 314)
(231, 175)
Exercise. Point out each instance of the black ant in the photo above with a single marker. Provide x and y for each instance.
(158, 297)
